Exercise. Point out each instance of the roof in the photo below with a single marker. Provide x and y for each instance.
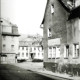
(9, 34)
(7, 24)
(64, 4)
(28, 43)
(54, 42)
(74, 13)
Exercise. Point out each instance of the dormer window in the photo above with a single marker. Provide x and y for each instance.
(52, 9)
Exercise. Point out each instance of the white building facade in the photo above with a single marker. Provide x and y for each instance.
(9, 42)
(30, 51)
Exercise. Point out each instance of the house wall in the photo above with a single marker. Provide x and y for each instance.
(8, 41)
(23, 51)
(67, 30)
(9, 44)
(0, 43)
(57, 23)
(73, 33)
(6, 29)
(37, 52)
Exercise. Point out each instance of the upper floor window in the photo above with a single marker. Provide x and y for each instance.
(34, 48)
(52, 9)
(4, 47)
(30, 49)
(49, 32)
(26, 48)
(4, 37)
(12, 47)
(38, 48)
(76, 50)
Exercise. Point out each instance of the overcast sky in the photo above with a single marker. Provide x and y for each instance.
(26, 14)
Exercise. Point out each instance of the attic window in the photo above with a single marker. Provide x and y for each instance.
(52, 8)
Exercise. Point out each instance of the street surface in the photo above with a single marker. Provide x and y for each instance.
(10, 72)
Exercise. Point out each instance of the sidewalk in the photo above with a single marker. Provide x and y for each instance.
(38, 68)
(52, 74)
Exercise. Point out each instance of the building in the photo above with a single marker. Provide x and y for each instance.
(29, 49)
(8, 41)
(62, 21)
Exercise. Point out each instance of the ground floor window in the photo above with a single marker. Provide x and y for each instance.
(54, 52)
(26, 54)
(75, 50)
(22, 54)
(50, 52)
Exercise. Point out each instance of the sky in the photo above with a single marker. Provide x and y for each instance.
(26, 14)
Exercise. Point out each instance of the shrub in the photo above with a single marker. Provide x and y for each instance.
(37, 60)
(21, 60)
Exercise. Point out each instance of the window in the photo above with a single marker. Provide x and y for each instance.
(22, 54)
(22, 48)
(4, 47)
(66, 51)
(49, 32)
(12, 38)
(12, 47)
(4, 37)
(50, 52)
(18, 54)
(26, 54)
(30, 49)
(54, 52)
(19, 47)
(76, 50)
(34, 48)
(38, 48)
(52, 9)
(38, 54)
(57, 53)
(26, 48)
